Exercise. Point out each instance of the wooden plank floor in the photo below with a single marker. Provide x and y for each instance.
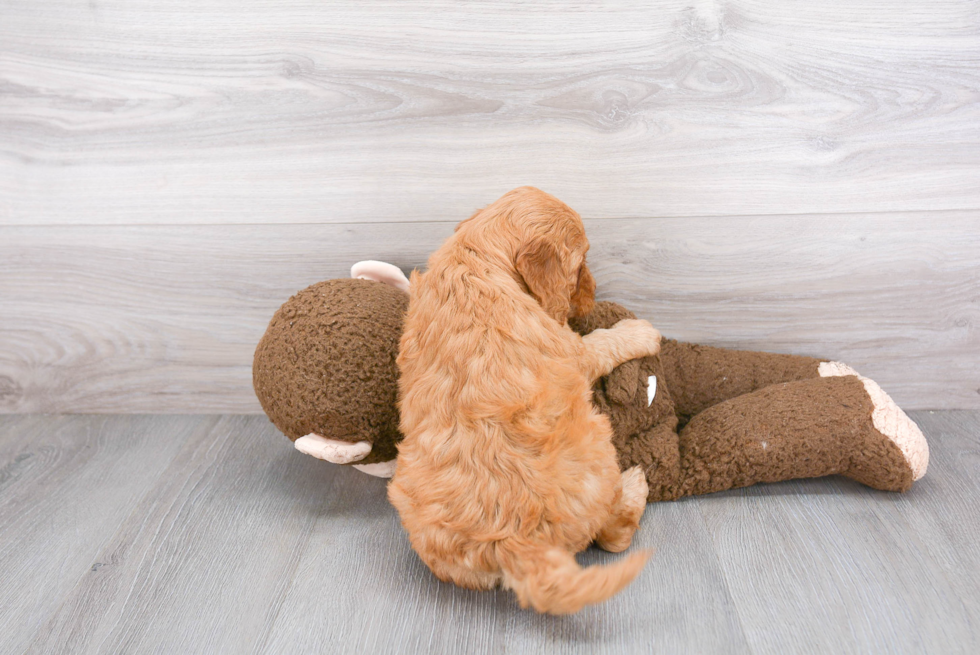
(177, 534)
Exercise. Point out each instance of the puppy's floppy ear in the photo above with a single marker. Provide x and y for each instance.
(541, 265)
(583, 298)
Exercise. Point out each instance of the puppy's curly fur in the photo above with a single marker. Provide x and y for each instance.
(506, 469)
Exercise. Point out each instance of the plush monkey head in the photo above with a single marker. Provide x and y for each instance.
(325, 370)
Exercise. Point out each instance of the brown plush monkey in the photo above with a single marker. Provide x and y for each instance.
(696, 419)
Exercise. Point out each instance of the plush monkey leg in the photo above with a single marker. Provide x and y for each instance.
(700, 377)
(838, 424)
(757, 417)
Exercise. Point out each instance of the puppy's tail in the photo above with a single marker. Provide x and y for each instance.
(550, 580)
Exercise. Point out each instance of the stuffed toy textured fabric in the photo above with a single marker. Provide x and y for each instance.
(696, 419)
(720, 419)
(326, 364)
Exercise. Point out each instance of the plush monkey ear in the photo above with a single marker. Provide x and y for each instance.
(543, 269)
(380, 272)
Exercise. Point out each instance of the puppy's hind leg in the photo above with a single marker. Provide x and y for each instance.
(465, 577)
(616, 535)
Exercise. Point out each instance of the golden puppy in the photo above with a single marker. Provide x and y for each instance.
(506, 469)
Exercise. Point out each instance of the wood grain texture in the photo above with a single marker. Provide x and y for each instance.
(203, 561)
(66, 483)
(304, 111)
(212, 534)
(831, 566)
(166, 318)
(679, 605)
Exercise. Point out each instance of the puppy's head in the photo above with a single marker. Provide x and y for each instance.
(545, 242)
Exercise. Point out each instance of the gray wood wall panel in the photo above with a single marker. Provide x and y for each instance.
(165, 318)
(730, 156)
(304, 111)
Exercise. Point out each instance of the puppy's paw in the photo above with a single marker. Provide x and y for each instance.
(617, 534)
(635, 491)
(643, 337)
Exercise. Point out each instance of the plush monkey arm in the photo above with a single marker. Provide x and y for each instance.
(626, 379)
(700, 377)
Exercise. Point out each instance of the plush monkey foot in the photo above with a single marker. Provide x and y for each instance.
(889, 420)
(838, 423)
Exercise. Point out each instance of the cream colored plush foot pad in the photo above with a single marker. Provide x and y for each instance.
(889, 419)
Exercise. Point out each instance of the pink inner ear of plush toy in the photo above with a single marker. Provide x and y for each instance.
(380, 272)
